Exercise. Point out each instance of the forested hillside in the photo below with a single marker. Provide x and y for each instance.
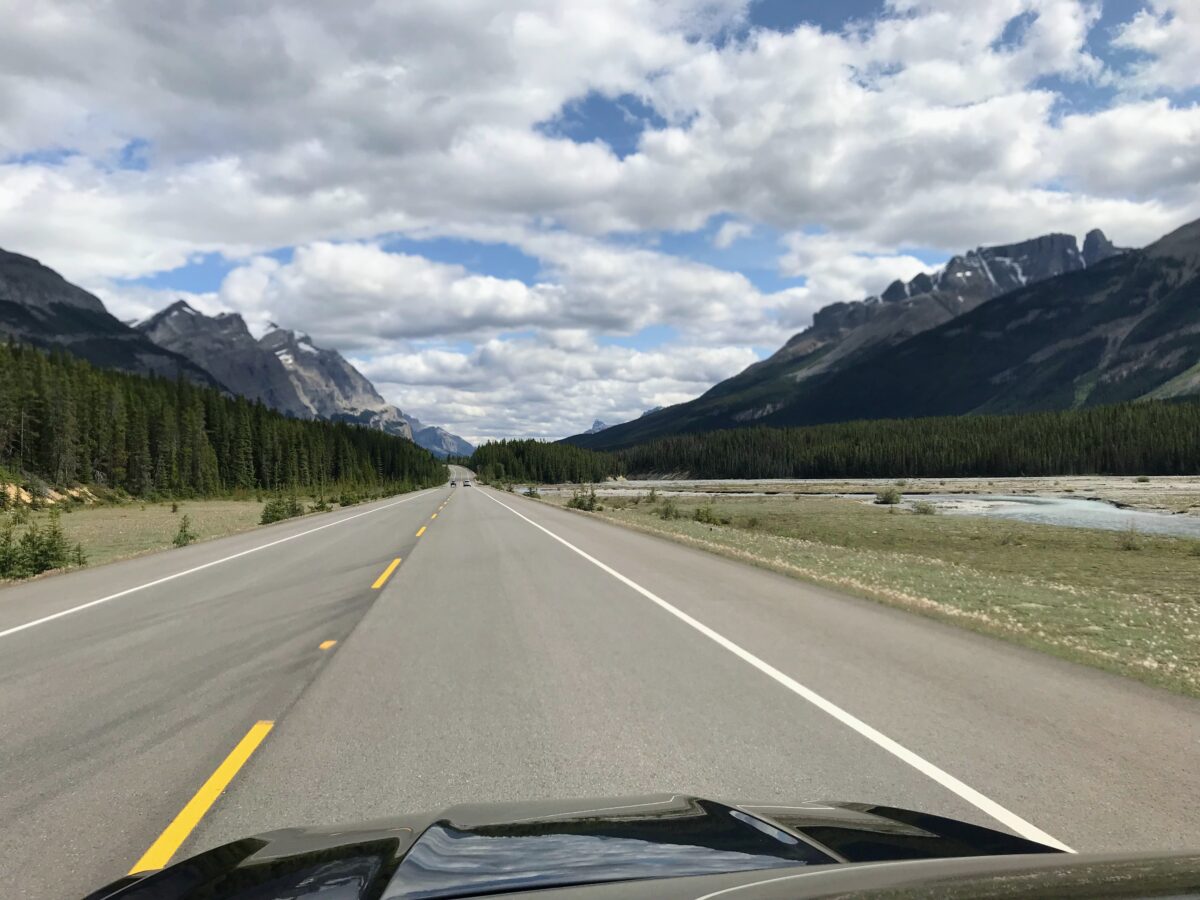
(68, 422)
(1148, 438)
(538, 461)
(1144, 438)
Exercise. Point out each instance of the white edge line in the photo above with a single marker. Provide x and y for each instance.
(945, 779)
(215, 562)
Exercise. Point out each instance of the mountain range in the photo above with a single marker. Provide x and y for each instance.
(283, 370)
(39, 307)
(1038, 325)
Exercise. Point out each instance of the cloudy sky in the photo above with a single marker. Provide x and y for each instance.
(519, 216)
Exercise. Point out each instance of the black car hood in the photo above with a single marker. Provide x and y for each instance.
(480, 849)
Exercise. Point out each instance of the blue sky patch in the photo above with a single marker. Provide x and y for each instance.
(46, 156)
(134, 155)
(617, 122)
(646, 339)
(495, 259)
(203, 274)
(785, 15)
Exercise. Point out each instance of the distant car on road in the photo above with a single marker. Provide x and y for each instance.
(453, 483)
(466, 483)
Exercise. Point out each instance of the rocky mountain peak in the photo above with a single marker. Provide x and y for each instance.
(223, 345)
(1097, 247)
(181, 318)
(597, 426)
(40, 307)
(25, 281)
(987, 272)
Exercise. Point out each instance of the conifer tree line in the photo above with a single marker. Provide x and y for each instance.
(540, 462)
(1144, 438)
(69, 422)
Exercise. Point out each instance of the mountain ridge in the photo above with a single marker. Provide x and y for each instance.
(1123, 327)
(40, 307)
(289, 372)
(224, 346)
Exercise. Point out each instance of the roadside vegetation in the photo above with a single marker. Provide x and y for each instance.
(36, 547)
(1123, 601)
(72, 533)
(279, 508)
(97, 465)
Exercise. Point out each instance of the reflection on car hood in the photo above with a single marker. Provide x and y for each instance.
(481, 849)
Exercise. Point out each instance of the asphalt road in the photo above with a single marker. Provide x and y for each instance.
(519, 651)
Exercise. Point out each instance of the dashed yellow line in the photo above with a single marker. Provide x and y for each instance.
(387, 573)
(434, 516)
(189, 817)
(420, 531)
(325, 645)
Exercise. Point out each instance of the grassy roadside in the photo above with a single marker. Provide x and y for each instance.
(113, 531)
(1124, 602)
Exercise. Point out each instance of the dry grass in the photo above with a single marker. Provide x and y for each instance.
(117, 531)
(1070, 591)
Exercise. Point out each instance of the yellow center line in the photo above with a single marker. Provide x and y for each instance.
(325, 645)
(189, 817)
(434, 516)
(387, 573)
(421, 531)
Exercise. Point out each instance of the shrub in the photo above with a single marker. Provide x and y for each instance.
(1195, 550)
(8, 550)
(322, 505)
(1142, 479)
(585, 500)
(752, 522)
(708, 516)
(532, 491)
(184, 535)
(37, 550)
(1009, 539)
(1128, 539)
(279, 508)
(889, 496)
(924, 508)
(348, 499)
(669, 510)
(174, 507)
(652, 497)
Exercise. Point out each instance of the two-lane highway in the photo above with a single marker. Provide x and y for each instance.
(114, 714)
(520, 651)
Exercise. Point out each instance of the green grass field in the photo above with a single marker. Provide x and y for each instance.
(1125, 602)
